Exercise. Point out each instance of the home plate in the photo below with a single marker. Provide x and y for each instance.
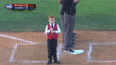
(78, 51)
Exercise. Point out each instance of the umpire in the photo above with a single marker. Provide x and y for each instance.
(68, 11)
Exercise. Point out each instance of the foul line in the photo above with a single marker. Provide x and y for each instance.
(17, 39)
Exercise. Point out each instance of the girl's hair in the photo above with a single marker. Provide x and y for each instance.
(51, 16)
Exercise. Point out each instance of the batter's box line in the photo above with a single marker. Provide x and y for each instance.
(23, 61)
(101, 61)
(90, 50)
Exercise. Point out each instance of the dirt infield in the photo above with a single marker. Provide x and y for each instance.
(29, 48)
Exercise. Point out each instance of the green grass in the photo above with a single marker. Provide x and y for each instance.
(91, 15)
(96, 15)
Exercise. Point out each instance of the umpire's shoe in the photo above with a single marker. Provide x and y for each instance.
(71, 51)
(74, 33)
(73, 37)
(56, 61)
(72, 46)
(49, 62)
(73, 42)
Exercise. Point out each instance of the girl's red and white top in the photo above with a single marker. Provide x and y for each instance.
(56, 29)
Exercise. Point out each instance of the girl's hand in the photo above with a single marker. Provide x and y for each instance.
(52, 31)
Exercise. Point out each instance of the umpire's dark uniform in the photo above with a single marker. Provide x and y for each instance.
(67, 11)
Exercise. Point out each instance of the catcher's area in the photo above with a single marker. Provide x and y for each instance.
(29, 48)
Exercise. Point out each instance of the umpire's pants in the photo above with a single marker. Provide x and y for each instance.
(67, 22)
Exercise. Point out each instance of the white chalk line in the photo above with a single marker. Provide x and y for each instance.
(102, 61)
(17, 39)
(102, 43)
(13, 53)
(89, 53)
(90, 50)
(31, 43)
(23, 61)
(30, 61)
(59, 51)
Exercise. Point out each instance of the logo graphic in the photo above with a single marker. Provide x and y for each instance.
(8, 6)
(20, 7)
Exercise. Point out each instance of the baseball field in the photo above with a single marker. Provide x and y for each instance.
(23, 41)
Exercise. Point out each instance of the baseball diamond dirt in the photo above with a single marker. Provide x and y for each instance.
(29, 48)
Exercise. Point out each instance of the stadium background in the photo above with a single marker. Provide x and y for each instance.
(90, 15)
(95, 26)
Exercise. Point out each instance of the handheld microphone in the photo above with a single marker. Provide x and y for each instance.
(52, 27)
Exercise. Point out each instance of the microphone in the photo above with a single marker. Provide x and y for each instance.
(52, 27)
